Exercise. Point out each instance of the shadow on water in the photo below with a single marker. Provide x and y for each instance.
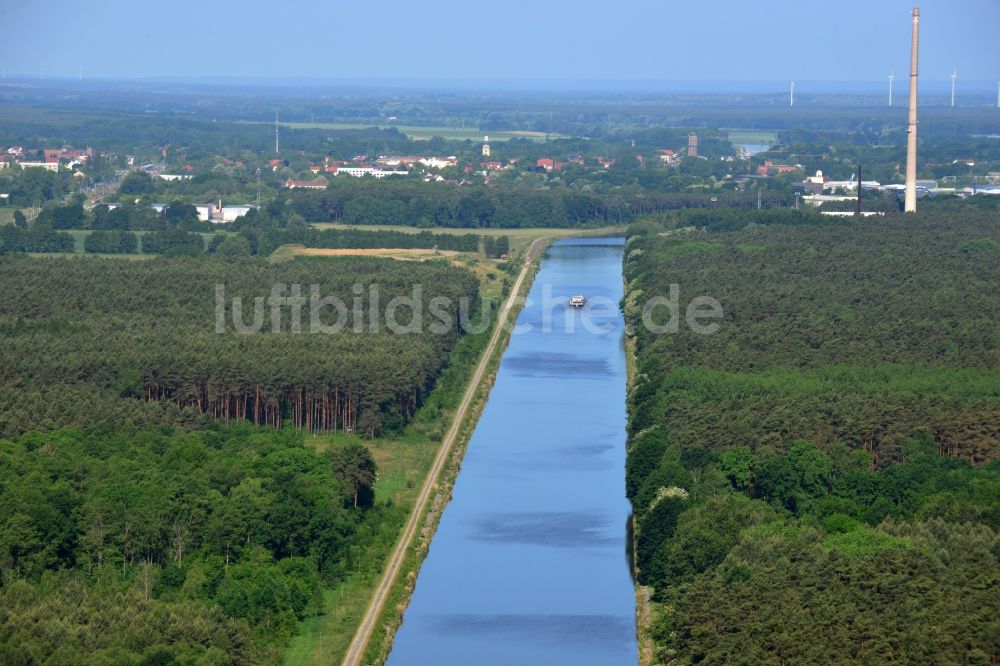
(596, 630)
(556, 529)
(556, 365)
(578, 457)
(630, 547)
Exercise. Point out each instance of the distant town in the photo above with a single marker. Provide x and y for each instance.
(745, 168)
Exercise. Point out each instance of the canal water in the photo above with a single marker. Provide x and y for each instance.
(529, 562)
(752, 149)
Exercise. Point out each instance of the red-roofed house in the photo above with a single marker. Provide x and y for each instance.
(548, 164)
(54, 155)
(768, 168)
(668, 156)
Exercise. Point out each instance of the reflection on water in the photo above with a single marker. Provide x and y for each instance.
(751, 149)
(528, 565)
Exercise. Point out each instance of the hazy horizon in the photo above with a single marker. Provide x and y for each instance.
(983, 91)
(640, 41)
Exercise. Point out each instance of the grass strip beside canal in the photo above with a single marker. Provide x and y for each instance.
(393, 595)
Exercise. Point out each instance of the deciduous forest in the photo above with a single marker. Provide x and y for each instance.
(817, 481)
(157, 503)
(162, 546)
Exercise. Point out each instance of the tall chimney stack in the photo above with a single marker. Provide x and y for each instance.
(910, 200)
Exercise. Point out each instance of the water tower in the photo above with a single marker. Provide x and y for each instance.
(692, 145)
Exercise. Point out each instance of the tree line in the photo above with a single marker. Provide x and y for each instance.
(177, 231)
(265, 235)
(14, 238)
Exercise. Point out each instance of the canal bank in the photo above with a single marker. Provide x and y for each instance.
(373, 636)
(529, 562)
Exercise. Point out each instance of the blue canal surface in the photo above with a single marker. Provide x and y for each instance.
(529, 563)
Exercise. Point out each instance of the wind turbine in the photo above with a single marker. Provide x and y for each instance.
(791, 95)
(891, 77)
(954, 75)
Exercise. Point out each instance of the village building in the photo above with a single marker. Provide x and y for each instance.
(49, 166)
(769, 168)
(668, 157)
(375, 172)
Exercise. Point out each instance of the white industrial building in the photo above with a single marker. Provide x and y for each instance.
(206, 212)
(359, 172)
(50, 166)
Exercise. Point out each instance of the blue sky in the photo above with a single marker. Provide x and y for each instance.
(806, 40)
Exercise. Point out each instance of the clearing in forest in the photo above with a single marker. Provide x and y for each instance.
(413, 254)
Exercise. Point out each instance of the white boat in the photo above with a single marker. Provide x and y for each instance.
(577, 301)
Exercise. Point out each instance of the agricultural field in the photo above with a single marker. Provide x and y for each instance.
(737, 136)
(416, 133)
(414, 254)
